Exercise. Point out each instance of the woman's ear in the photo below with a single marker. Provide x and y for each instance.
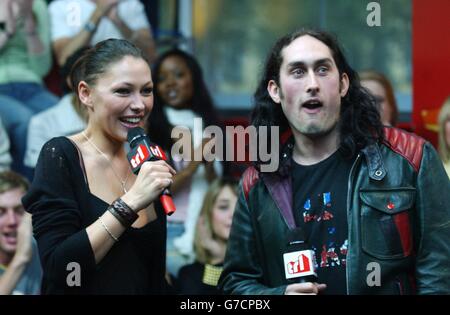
(85, 94)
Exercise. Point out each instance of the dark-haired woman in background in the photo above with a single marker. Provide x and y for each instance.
(181, 96)
(100, 229)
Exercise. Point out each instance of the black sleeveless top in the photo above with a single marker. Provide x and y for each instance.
(62, 207)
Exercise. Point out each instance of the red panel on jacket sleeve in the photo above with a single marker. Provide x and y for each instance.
(408, 145)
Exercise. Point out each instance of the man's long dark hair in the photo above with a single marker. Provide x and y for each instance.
(159, 129)
(360, 123)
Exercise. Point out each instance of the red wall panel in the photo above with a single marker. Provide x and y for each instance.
(431, 63)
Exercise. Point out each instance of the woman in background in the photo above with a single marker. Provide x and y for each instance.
(211, 236)
(380, 87)
(181, 96)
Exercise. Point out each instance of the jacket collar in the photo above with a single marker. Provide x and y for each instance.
(372, 153)
(285, 166)
(279, 183)
(374, 160)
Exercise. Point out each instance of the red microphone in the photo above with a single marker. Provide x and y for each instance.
(142, 150)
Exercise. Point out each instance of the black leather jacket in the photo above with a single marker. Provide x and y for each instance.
(409, 239)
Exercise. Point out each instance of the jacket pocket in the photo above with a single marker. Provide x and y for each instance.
(385, 222)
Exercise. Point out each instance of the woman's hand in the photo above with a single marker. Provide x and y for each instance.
(150, 182)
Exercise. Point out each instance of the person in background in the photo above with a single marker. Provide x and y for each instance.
(89, 209)
(5, 157)
(20, 269)
(444, 134)
(381, 88)
(67, 117)
(210, 243)
(76, 24)
(181, 96)
(25, 58)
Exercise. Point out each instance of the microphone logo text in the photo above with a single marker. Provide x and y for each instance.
(140, 157)
(299, 264)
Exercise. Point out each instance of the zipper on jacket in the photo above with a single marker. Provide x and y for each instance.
(349, 194)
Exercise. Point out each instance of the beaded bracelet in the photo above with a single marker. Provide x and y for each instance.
(122, 212)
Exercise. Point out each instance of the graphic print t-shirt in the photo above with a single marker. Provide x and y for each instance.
(320, 203)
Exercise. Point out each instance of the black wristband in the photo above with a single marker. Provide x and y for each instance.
(123, 212)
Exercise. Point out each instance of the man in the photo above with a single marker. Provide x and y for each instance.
(76, 24)
(20, 270)
(373, 203)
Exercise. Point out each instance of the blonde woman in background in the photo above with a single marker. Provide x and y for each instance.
(444, 135)
(210, 242)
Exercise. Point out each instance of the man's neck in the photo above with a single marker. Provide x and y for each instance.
(312, 150)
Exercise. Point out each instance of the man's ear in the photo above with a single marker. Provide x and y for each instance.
(85, 94)
(274, 91)
(345, 83)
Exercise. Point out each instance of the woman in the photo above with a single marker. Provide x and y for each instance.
(444, 135)
(213, 230)
(380, 87)
(100, 229)
(181, 96)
